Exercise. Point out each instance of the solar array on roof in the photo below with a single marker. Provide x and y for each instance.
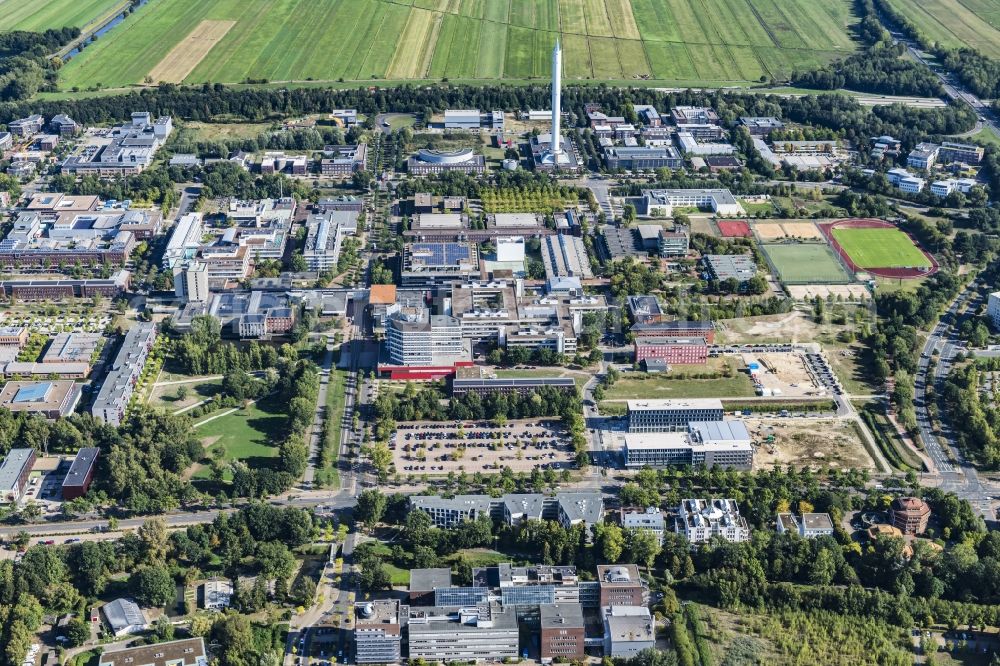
(441, 254)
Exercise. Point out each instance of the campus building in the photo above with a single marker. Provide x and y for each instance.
(378, 631)
(325, 236)
(427, 265)
(26, 127)
(131, 148)
(38, 240)
(343, 161)
(698, 520)
(451, 512)
(905, 181)
(436, 161)
(807, 526)
(671, 415)
(739, 267)
(675, 329)
(910, 514)
(568, 509)
(485, 632)
(116, 390)
(185, 652)
(923, 156)
(993, 309)
(191, 282)
(673, 351)
(415, 337)
(51, 399)
(650, 520)
(14, 473)
(474, 380)
(81, 473)
(710, 443)
(561, 633)
(960, 152)
(620, 585)
(661, 203)
(634, 158)
(628, 630)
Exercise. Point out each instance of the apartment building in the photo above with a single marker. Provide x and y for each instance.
(451, 512)
(185, 652)
(701, 519)
(126, 369)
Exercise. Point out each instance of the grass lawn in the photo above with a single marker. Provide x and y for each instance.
(165, 397)
(799, 263)
(478, 557)
(892, 285)
(328, 476)
(756, 208)
(245, 434)
(636, 385)
(880, 248)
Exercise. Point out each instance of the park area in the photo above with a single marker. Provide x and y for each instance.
(434, 448)
(246, 434)
(880, 248)
(801, 263)
(230, 41)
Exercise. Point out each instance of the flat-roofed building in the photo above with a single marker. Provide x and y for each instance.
(185, 652)
(63, 125)
(51, 399)
(621, 585)
(807, 526)
(701, 519)
(739, 267)
(642, 157)
(126, 149)
(185, 238)
(923, 156)
(415, 337)
(644, 308)
(565, 256)
(424, 582)
(910, 514)
(650, 520)
(431, 264)
(343, 161)
(81, 473)
(661, 203)
(325, 237)
(561, 632)
(673, 351)
(436, 161)
(686, 115)
(13, 336)
(378, 631)
(485, 632)
(14, 473)
(451, 512)
(191, 284)
(960, 152)
(761, 125)
(216, 594)
(628, 630)
(675, 329)
(72, 348)
(462, 119)
(465, 382)
(25, 127)
(671, 415)
(710, 443)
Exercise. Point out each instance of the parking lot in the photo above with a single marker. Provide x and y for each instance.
(480, 446)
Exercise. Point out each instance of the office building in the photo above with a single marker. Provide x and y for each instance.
(644, 309)
(253, 314)
(923, 156)
(699, 520)
(41, 289)
(761, 126)
(63, 125)
(910, 514)
(685, 115)
(661, 203)
(477, 633)
(672, 351)
(428, 161)
(621, 585)
(124, 617)
(89, 239)
(634, 158)
(378, 631)
(628, 630)
(13, 336)
(343, 161)
(650, 520)
(450, 512)
(14, 473)
(561, 633)
(671, 415)
(905, 181)
(430, 264)
(474, 380)
(807, 526)
(26, 127)
(81, 473)
(185, 652)
(185, 238)
(51, 399)
(424, 582)
(960, 152)
(675, 329)
(565, 256)
(943, 188)
(6, 141)
(191, 282)
(131, 148)
(344, 117)
(689, 144)
(674, 243)
(126, 369)
(325, 237)
(709, 443)
(415, 337)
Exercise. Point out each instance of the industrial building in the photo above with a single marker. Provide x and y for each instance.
(126, 369)
(699, 520)
(14, 473)
(81, 473)
(671, 415)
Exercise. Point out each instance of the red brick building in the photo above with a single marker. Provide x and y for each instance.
(673, 351)
(910, 514)
(562, 632)
(621, 585)
(675, 329)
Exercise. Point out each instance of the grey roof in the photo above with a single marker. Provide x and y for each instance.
(817, 521)
(493, 617)
(644, 305)
(84, 460)
(672, 326)
(529, 504)
(561, 616)
(709, 431)
(588, 507)
(123, 613)
(629, 628)
(12, 467)
(426, 580)
(479, 503)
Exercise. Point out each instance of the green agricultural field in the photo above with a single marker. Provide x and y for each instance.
(802, 263)
(880, 248)
(718, 42)
(43, 14)
(956, 23)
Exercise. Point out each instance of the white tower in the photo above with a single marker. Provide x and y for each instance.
(555, 146)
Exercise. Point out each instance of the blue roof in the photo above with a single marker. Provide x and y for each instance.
(442, 254)
(33, 392)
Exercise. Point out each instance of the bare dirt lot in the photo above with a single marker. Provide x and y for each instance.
(184, 57)
(436, 448)
(808, 442)
(778, 230)
(786, 373)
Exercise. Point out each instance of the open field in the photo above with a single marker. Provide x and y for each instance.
(190, 51)
(956, 23)
(808, 442)
(682, 382)
(244, 434)
(716, 41)
(880, 248)
(41, 14)
(806, 262)
(167, 396)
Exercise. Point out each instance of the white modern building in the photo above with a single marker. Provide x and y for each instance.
(905, 181)
(993, 309)
(416, 337)
(671, 415)
(661, 203)
(486, 632)
(943, 188)
(510, 248)
(325, 237)
(710, 443)
(185, 238)
(628, 630)
(701, 519)
(650, 520)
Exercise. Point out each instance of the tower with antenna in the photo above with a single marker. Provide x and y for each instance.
(556, 101)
